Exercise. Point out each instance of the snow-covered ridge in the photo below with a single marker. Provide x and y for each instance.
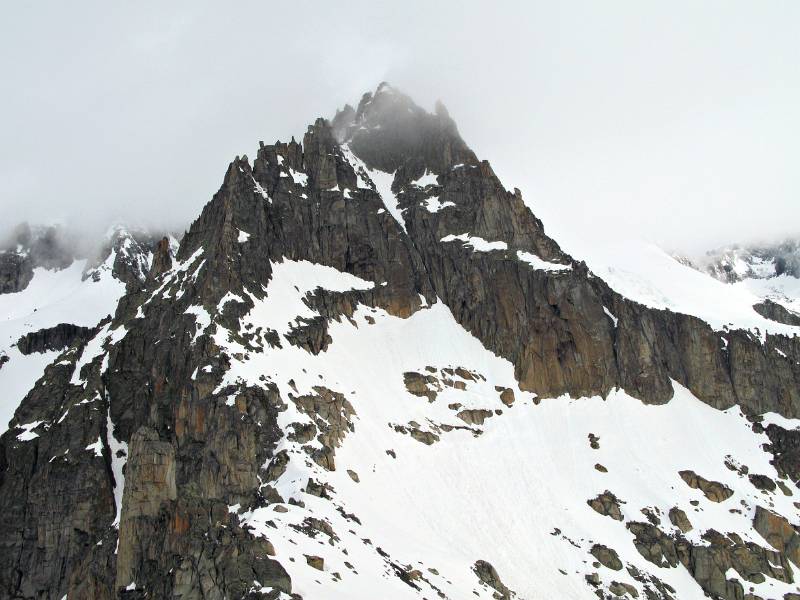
(647, 274)
(764, 272)
(755, 261)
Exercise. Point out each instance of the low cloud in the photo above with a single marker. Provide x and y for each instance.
(675, 123)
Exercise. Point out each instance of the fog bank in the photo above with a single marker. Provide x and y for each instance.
(676, 123)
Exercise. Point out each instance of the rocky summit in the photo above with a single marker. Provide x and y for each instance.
(366, 371)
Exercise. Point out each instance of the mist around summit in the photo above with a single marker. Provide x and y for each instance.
(498, 304)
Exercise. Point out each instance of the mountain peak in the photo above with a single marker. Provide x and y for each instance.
(385, 88)
(367, 328)
(388, 129)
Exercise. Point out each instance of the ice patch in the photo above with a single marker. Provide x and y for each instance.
(538, 453)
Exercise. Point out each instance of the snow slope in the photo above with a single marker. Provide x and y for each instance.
(784, 290)
(644, 272)
(512, 491)
(51, 298)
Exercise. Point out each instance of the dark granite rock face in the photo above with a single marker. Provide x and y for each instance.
(550, 324)
(785, 447)
(56, 495)
(198, 444)
(54, 338)
(16, 272)
(776, 312)
(162, 259)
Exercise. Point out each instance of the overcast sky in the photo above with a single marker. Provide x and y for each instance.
(677, 122)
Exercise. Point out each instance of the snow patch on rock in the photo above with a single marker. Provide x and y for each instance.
(478, 244)
(433, 205)
(541, 265)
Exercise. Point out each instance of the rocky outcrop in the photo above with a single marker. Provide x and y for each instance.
(653, 544)
(785, 448)
(776, 312)
(778, 532)
(620, 588)
(506, 395)
(474, 416)
(606, 556)
(713, 490)
(54, 338)
(332, 415)
(162, 259)
(678, 518)
(709, 562)
(422, 385)
(550, 323)
(762, 482)
(16, 272)
(607, 504)
(487, 574)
